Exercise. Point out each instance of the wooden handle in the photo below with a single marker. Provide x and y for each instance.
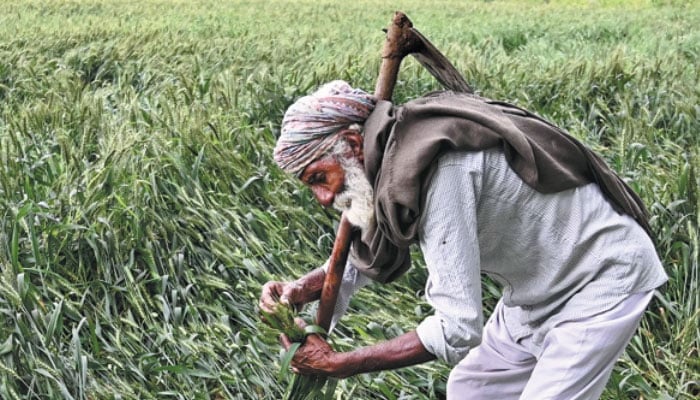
(394, 50)
(401, 39)
(334, 274)
(399, 42)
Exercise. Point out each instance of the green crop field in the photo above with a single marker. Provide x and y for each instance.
(141, 211)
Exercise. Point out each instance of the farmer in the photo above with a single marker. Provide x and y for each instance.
(482, 187)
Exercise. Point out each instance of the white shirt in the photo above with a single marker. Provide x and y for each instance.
(558, 256)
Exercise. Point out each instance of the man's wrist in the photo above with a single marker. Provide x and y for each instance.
(311, 284)
(343, 366)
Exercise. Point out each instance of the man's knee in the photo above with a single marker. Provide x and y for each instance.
(462, 381)
(485, 383)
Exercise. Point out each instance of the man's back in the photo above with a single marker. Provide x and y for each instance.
(557, 256)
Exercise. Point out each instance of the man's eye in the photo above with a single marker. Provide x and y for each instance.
(317, 178)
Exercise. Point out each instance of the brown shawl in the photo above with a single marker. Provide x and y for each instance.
(402, 143)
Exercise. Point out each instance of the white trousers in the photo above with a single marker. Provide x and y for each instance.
(574, 360)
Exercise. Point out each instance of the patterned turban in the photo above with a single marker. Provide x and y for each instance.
(311, 125)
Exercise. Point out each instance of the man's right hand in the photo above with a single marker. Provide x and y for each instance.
(297, 293)
(274, 292)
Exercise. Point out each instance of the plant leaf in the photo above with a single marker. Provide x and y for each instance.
(287, 359)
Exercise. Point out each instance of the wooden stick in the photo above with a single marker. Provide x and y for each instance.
(334, 274)
(401, 39)
(393, 52)
(399, 43)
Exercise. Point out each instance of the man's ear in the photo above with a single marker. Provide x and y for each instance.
(356, 141)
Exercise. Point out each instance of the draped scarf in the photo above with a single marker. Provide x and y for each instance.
(402, 143)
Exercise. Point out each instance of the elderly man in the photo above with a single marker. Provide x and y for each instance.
(483, 187)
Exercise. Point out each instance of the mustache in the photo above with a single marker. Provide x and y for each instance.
(343, 199)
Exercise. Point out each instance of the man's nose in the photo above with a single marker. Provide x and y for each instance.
(323, 195)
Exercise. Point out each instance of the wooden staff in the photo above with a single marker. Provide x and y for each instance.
(401, 39)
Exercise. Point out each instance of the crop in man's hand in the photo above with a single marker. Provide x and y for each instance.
(301, 387)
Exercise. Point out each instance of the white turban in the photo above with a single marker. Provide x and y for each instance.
(311, 125)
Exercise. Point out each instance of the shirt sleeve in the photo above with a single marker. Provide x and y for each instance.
(449, 242)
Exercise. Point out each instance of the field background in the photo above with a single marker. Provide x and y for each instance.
(140, 210)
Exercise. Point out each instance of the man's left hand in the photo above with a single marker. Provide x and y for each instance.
(315, 357)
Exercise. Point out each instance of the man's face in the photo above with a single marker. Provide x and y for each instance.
(326, 178)
(339, 180)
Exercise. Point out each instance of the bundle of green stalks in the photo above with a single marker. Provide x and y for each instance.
(300, 387)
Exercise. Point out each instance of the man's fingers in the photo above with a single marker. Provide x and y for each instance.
(264, 307)
(285, 296)
(269, 296)
(267, 306)
(291, 293)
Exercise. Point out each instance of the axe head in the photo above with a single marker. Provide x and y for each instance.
(403, 39)
(437, 64)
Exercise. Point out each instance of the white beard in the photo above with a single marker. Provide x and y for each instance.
(357, 200)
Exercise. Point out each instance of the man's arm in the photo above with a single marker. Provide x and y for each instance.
(316, 357)
(309, 287)
(402, 351)
(450, 246)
